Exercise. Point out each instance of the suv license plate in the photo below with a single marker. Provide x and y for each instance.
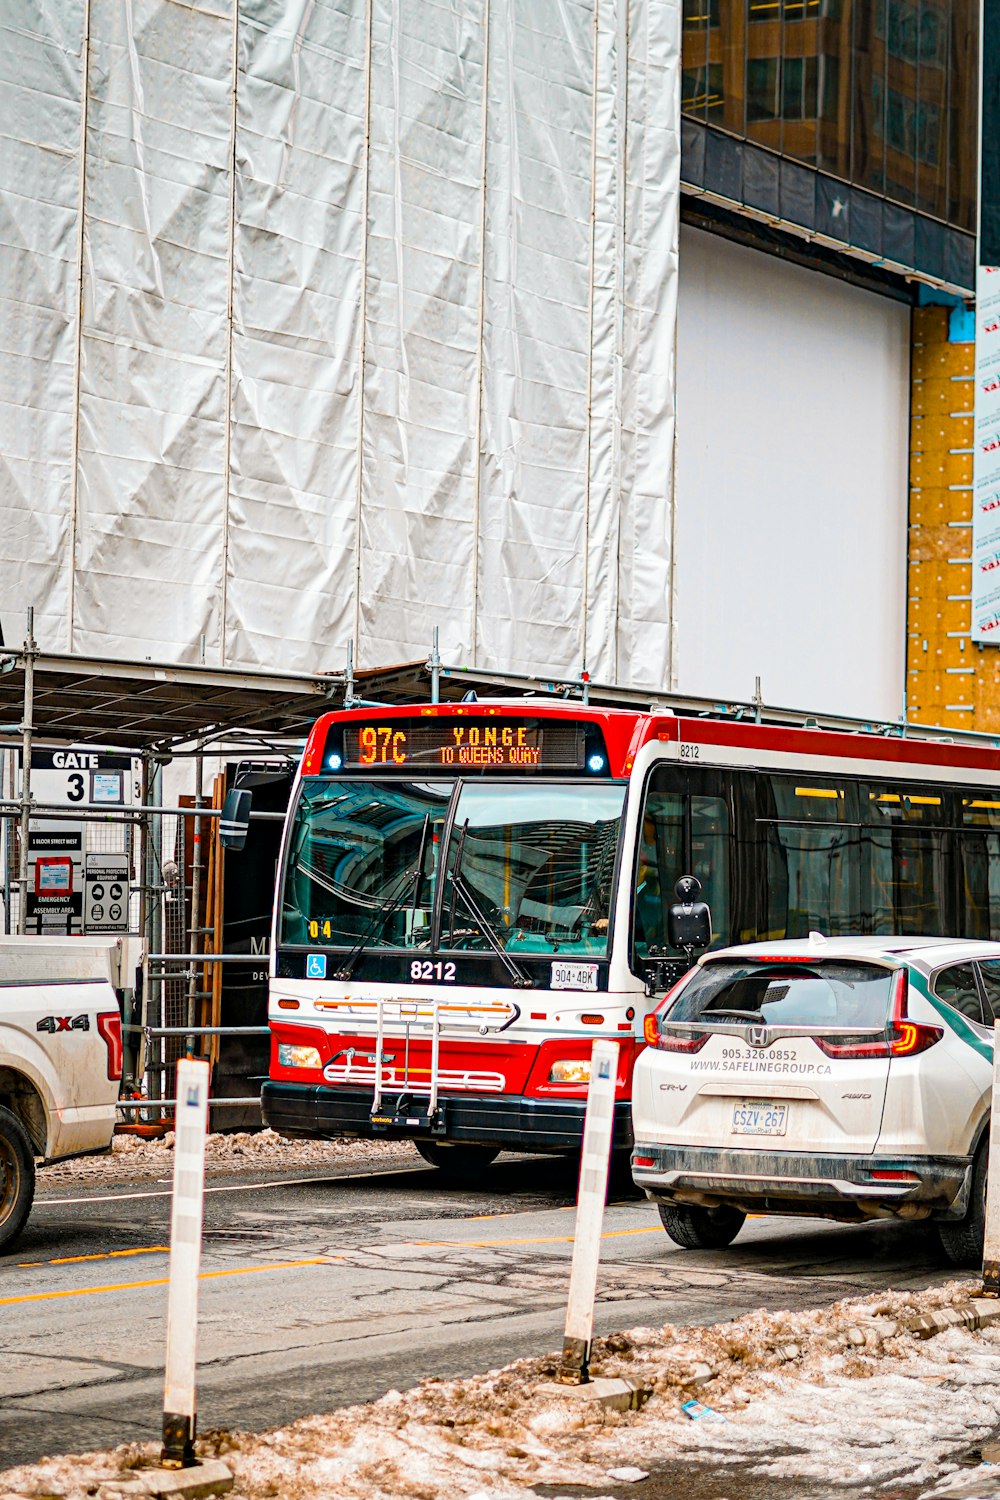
(759, 1118)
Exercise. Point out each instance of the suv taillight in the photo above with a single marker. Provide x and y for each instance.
(672, 1042)
(652, 1023)
(903, 1038)
(109, 1026)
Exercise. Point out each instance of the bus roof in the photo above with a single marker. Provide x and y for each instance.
(714, 739)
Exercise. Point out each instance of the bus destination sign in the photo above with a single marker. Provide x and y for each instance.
(463, 743)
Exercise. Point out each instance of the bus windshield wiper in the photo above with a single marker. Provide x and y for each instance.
(413, 874)
(460, 887)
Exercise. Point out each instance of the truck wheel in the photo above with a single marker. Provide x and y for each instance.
(459, 1164)
(701, 1228)
(962, 1239)
(17, 1178)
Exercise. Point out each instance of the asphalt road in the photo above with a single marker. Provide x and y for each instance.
(330, 1287)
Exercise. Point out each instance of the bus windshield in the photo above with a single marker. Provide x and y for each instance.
(534, 864)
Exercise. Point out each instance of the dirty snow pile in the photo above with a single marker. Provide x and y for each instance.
(823, 1398)
(132, 1157)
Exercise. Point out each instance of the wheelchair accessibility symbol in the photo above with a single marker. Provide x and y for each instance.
(315, 965)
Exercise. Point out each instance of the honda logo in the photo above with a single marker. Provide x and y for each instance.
(757, 1036)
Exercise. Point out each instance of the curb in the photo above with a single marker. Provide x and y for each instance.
(980, 1313)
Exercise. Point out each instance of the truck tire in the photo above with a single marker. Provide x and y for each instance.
(701, 1228)
(962, 1239)
(459, 1164)
(17, 1178)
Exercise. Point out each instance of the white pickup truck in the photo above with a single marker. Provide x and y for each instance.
(60, 1059)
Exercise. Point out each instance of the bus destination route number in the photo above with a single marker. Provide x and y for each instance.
(474, 742)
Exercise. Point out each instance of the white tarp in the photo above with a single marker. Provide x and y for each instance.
(326, 318)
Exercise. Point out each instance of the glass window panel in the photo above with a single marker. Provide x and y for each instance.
(710, 858)
(534, 865)
(907, 880)
(830, 992)
(659, 863)
(989, 969)
(981, 809)
(681, 834)
(806, 799)
(702, 90)
(882, 94)
(354, 867)
(814, 879)
(762, 88)
(957, 987)
(979, 869)
(886, 805)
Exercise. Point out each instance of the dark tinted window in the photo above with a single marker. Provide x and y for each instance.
(806, 799)
(907, 880)
(659, 863)
(887, 806)
(979, 884)
(981, 810)
(957, 987)
(989, 969)
(682, 833)
(813, 880)
(829, 993)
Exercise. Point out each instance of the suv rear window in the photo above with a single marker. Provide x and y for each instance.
(831, 993)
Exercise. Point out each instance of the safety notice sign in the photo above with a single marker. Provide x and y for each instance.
(106, 893)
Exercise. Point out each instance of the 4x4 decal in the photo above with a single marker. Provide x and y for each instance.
(63, 1023)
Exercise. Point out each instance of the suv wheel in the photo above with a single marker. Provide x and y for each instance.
(701, 1228)
(962, 1239)
(17, 1178)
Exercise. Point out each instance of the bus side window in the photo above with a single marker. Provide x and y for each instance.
(709, 858)
(659, 862)
(680, 834)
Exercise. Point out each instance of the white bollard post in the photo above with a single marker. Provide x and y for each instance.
(594, 1160)
(991, 1239)
(191, 1124)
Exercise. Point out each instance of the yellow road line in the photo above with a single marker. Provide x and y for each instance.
(70, 1260)
(131, 1286)
(552, 1239)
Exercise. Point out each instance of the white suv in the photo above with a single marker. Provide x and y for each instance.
(847, 1078)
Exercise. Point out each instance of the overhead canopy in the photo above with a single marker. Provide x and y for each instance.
(168, 709)
(157, 706)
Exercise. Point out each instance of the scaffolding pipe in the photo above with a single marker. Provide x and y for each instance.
(133, 813)
(196, 863)
(26, 730)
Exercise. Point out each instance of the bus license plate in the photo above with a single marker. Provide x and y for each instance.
(756, 1117)
(573, 977)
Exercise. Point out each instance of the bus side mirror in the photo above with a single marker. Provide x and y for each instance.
(689, 922)
(235, 820)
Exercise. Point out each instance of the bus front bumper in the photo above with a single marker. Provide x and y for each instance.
(509, 1122)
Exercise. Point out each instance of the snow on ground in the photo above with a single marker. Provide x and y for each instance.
(833, 1397)
(132, 1157)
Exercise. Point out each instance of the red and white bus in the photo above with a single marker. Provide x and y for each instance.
(469, 894)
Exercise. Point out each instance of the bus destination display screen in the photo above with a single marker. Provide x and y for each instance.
(456, 743)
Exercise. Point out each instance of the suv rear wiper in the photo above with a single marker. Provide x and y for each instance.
(412, 874)
(741, 1015)
(460, 887)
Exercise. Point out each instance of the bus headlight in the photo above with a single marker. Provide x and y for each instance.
(570, 1070)
(290, 1056)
